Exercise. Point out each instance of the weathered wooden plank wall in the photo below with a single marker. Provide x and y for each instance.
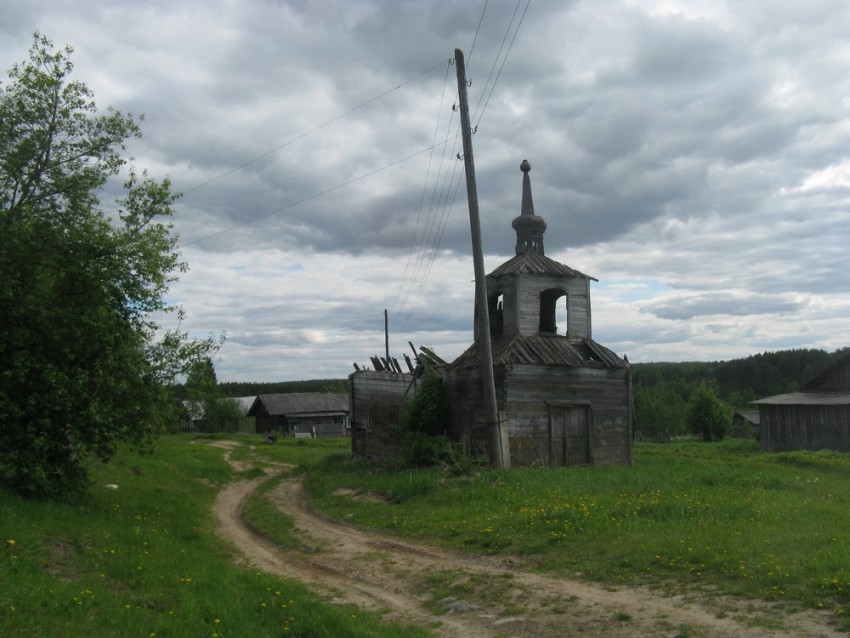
(532, 389)
(525, 396)
(376, 402)
(528, 304)
(804, 427)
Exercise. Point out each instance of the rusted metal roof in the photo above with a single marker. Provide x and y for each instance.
(559, 351)
(806, 398)
(302, 403)
(532, 263)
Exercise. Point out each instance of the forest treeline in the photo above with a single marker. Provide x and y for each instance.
(662, 390)
(253, 388)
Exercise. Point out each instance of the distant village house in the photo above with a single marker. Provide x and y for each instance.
(301, 414)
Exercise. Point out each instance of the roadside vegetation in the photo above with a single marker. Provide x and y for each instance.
(144, 559)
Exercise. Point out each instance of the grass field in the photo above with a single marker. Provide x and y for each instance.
(143, 560)
(718, 517)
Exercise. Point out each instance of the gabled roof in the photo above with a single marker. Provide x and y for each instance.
(806, 398)
(559, 351)
(752, 416)
(533, 263)
(245, 403)
(301, 403)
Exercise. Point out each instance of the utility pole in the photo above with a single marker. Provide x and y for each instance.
(499, 456)
(387, 335)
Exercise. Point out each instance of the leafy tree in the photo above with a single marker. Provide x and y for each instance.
(205, 398)
(707, 416)
(83, 365)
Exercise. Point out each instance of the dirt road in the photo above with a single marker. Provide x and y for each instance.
(479, 597)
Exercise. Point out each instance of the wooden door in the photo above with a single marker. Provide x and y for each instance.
(569, 442)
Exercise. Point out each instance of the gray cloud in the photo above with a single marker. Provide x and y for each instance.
(690, 155)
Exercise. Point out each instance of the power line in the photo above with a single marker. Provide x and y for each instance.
(498, 75)
(447, 206)
(477, 29)
(424, 190)
(310, 197)
(312, 130)
(432, 224)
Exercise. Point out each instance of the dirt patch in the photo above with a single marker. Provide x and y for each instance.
(354, 495)
(461, 596)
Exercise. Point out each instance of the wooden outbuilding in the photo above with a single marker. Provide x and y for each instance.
(816, 418)
(301, 414)
(377, 401)
(745, 424)
(563, 399)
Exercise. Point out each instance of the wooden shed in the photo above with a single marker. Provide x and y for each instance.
(563, 399)
(377, 401)
(816, 418)
(745, 424)
(301, 414)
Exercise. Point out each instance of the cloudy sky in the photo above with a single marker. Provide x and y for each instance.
(690, 155)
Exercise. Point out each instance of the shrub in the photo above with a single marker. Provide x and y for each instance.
(707, 416)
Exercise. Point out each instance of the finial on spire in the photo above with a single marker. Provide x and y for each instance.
(527, 202)
(529, 227)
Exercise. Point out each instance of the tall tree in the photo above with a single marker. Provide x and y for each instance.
(83, 365)
(203, 397)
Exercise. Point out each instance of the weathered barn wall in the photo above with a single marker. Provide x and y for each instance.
(376, 402)
(816, 418)
(464, 393)
(532, 399)
(265, 422)
(536, 395)
(805, 427)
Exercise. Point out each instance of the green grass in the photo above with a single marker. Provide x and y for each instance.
(718, 517)
(144, 560)
(691, 517)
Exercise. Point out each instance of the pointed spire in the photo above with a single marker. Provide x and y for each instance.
(528, 226)
(527, 201)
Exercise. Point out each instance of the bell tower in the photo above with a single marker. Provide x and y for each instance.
(527, 293)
